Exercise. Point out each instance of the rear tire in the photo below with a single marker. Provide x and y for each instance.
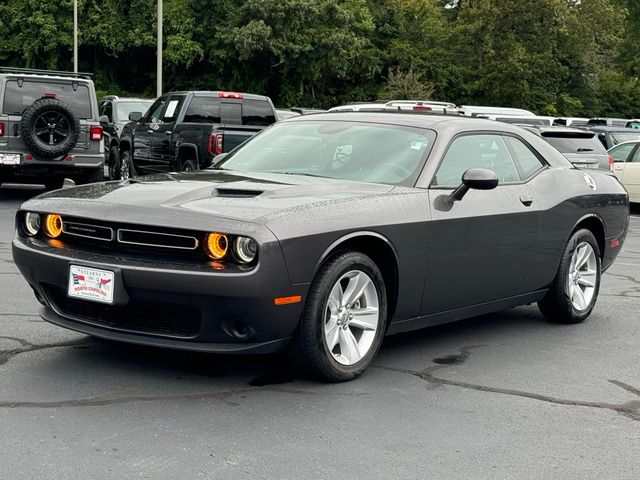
(114, 163)
(344, 319)
(54, 183)
(574, 291)
(187, 166)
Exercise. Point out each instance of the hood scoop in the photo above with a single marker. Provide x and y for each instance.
(229, 192)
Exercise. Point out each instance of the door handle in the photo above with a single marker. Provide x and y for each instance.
(168, 132)
(150, 131)
(526, 200)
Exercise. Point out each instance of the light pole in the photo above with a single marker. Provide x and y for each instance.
(159, 61)
(75, 36)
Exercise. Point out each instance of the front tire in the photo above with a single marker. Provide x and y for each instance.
(574, 291)
(126, 166)
(114, 163)
(344, 319)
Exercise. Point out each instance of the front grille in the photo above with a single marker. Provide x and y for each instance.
(96, 232)
(158, 318)
(156, 239)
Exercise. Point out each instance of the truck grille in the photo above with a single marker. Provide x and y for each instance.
(158, 318)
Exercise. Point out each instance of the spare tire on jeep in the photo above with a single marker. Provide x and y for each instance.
(49, 128)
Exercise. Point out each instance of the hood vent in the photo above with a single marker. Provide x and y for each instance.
(236, 192)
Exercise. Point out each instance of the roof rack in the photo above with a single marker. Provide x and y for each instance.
(33, 71)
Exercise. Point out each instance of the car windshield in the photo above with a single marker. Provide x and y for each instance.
(123, 109)
(619, 137)
(367, 152)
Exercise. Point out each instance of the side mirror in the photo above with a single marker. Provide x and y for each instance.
(476, 178)
(135, 116)
(104, 120)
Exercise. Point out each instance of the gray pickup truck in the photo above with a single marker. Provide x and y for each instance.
(49, 128)
(185, 131)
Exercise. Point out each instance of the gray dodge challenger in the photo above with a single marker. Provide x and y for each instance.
(322, 235)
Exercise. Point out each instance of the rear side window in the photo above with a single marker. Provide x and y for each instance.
(257, 112)
(576, 143)
(621, 153)
(17, 99)
(527, 161)
(213, 110)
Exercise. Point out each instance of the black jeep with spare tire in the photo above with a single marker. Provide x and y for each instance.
(49, 128)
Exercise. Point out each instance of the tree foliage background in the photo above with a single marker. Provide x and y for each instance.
(565, 57)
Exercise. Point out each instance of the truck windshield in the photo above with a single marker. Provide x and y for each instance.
(343, 150)
(17, 98)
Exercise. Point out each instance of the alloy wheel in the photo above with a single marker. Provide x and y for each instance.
(352, 317)
(583, 276)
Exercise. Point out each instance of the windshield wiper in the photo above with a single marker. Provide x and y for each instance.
(300, 173)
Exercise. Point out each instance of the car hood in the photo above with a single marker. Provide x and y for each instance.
(222, 193)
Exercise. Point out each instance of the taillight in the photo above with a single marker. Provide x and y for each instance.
(215, 143)
(611, 162)
(422, 107)
(96, 134)
(237, 95)
(1, 129)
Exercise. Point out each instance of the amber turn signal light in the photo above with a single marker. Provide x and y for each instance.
(216, 245)
(53, 225)
(287, 300)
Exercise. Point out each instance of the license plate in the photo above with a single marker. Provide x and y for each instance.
(9, 158)
(91, 284)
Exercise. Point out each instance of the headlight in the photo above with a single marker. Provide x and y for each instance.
(32, 223)
(53, 225)
(246, 249)
(216, 245)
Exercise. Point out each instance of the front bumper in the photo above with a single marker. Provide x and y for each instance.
(200, 310)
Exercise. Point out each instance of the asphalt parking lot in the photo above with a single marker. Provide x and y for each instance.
(498, 397)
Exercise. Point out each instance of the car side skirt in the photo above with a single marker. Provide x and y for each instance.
(448, 316)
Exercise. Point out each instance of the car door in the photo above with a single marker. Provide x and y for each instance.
(480, 248)
(621, 154)
(161, 153)
(631, 176)
(144, 132)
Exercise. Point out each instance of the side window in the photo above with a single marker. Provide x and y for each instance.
(476, 151)
(203, 110)
(173, 108)
(257, 112)
(636, 156)
(155, 111)
(526, 161)
(108, 110)
(621, 153)
(101, 106)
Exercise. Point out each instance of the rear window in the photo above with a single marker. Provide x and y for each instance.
(578, 143)
(620, 137)
(215, 110)
(17, 99)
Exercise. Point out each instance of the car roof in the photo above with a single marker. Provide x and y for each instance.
(209, 93)
(602, 128)
(410, 119)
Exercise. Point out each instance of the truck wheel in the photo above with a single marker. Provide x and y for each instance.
(126, 166)
(49, 128)
(188, 166)
(114, 163)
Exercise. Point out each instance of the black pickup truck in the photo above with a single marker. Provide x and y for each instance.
(184, 131)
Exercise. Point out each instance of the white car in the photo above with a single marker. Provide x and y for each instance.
(626, 166)
(474, 111)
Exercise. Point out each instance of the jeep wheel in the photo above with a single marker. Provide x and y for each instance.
(50, 128)
(54, 183)
(126, 168)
